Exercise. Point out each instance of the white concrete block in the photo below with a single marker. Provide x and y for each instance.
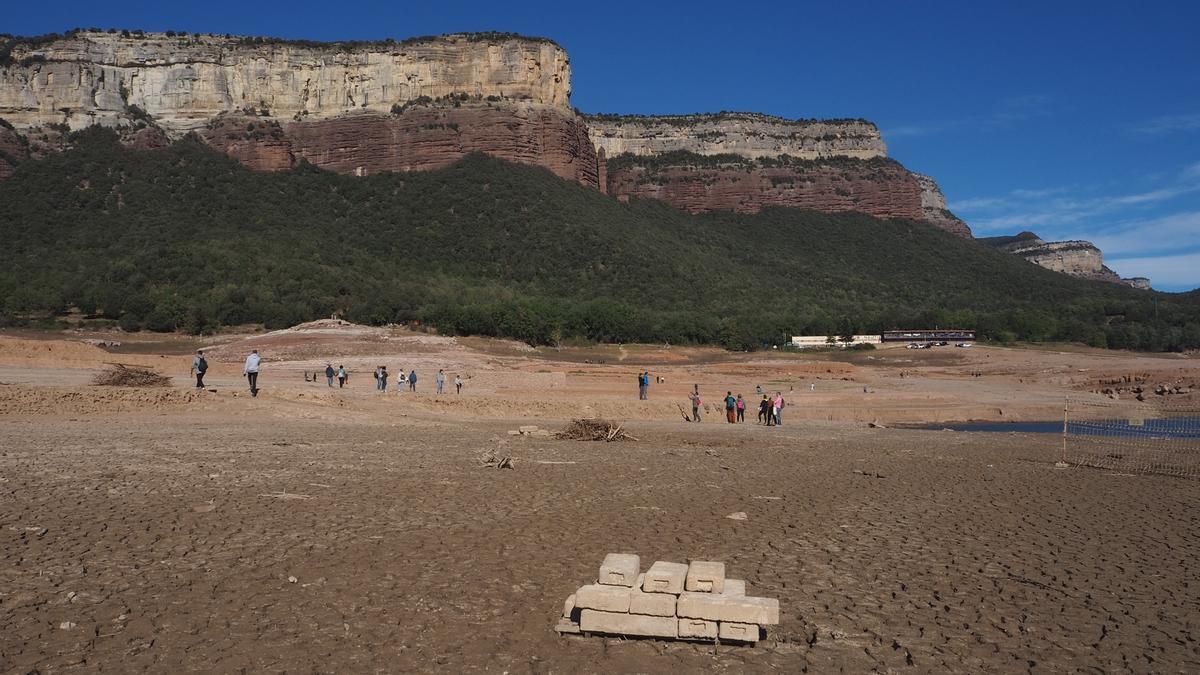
(603, 598)
(566, 626)
(665, 577)
(742, 632)
(698, 629)
(569, 605)
(714, 607)
(654, 604)
(705, 577)
(620, 569)
(592, 621)
(735, 588)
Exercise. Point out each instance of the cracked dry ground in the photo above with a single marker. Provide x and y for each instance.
(169, 543)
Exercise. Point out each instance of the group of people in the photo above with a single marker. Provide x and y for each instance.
(770, 408)
(409, 381)
(254, 365)
(644, 385)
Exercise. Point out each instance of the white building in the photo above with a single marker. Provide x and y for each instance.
(803, 341)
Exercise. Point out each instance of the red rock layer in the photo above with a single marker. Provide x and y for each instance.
(881, 188)
(260, 145)
(432, 137)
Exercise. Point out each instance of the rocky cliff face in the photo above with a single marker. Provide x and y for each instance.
(417, 139)
(749, 135)
(933, 206)
(396, 106)
(880, 187)
(1076, 258)
(184, 81)
(746, 161)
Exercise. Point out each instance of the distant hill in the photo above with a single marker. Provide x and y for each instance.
(187, 238)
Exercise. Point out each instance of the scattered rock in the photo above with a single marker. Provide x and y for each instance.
(66, 625)
(737, 515)
(292, 580)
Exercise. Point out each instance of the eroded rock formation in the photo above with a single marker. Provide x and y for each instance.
(746, 161)
(880, 187)
(750, 135)
(933, 205)
(1076, 258)
(182, 82)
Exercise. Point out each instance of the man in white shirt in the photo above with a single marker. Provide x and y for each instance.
(253, 363)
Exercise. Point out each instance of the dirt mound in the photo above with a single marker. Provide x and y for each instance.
(18, 400)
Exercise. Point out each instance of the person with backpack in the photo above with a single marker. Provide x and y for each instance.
(412, 381)
(329, 374)
(342, 376)
(730, 407)
(778, 405)
(253, 365)
(199, 367)
(741, 409)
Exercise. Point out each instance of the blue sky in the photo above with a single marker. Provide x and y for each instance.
(1070, 119)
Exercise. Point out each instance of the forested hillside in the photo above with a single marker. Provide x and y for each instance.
(185, 238)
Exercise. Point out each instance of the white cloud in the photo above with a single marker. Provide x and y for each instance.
(1171, 272)
(1169, 124)
(1172, 233)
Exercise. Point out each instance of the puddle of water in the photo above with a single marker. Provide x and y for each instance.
(1175, 428)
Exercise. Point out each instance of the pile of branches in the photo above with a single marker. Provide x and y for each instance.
(118, 375)
(594, 429)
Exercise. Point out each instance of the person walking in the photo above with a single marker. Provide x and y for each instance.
(767, 408)
(383, 375)
(730, 407)
(342, 376)
(329, 374)
(778, 405)
(412, 380)
(457, 384)
(646, 389)
(401, 382)
(253, 365)
(440, 381)
(199, 367)
(641, 387)
(695, 398)
(741, 409)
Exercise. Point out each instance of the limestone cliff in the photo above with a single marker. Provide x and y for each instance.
(348, 107)
(933, 205)
(747, 161)
(750, 135)
(1076, 258)
(184, 81)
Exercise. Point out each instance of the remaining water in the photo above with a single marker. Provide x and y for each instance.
(1175, 428)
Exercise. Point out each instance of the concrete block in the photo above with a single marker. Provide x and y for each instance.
(742, 632)
(764, 611)
(620, 569)
(735, 588)
(603, 598)
(566, 626)
(705, 577)
(654, 604)
(592, 621)
(527, 429)
(698, 629)
(569, 606)
(665, 577)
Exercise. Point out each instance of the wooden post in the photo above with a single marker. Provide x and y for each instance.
(1062, 462)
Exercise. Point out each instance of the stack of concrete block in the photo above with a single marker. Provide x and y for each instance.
(669, 600)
